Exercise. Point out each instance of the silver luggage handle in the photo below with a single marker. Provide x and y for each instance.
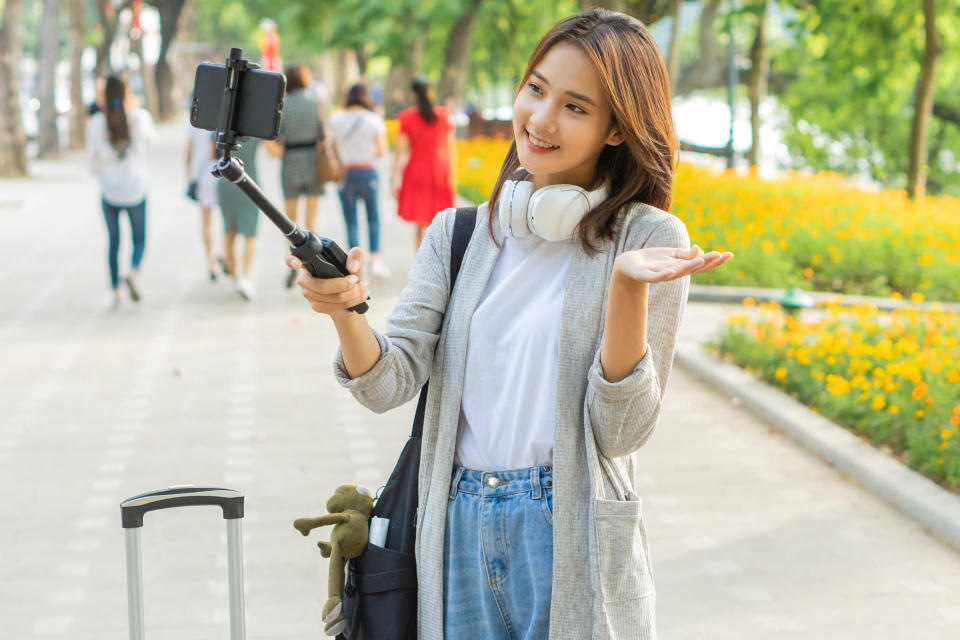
(132, 511)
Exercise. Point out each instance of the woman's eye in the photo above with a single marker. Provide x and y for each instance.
(575, 108)
(535, 89)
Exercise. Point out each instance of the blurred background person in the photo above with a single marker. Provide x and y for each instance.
(116, 149)
(300, 129)
(361, 137)
(240, 218)
(202, 187)
(425, 157)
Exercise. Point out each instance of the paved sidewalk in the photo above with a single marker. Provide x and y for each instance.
(752, 536)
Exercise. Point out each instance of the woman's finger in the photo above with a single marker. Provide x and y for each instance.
(293, 262)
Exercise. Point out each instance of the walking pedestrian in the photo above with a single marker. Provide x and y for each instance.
(202, 188)
(116, 148)
(240, 218)
(424, 160)
(552, 354)
(361, 136)
(300, 129)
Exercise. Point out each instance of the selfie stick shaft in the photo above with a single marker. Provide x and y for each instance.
(321, 257)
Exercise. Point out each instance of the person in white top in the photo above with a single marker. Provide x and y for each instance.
(202, 187)
(554, 348)
(361, 137)
(116, 148)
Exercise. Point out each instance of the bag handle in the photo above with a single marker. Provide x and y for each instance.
(465, 221)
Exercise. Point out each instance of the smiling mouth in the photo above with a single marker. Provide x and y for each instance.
(539, 142)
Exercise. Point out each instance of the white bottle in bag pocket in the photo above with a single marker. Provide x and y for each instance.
(378, 531)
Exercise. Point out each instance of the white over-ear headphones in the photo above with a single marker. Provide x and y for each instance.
(552, 212)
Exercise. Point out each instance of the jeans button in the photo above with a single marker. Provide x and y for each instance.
(548, 484)
(547, 468)
(493, 482)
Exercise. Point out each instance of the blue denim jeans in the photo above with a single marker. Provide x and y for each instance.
(138, 227)
(498, 555)
(361, 184)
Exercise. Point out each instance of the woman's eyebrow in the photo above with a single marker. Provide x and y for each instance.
(572, 94)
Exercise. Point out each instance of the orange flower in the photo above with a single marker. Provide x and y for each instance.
(919, 391)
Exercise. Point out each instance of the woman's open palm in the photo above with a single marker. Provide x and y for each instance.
(660, 264)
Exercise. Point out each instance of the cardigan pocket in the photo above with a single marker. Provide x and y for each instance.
(625, 572)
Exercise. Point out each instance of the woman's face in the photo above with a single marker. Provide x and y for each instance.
(562, 120)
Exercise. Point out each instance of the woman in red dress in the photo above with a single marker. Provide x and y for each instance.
(427, 145)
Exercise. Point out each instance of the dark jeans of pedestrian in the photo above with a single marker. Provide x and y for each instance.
(138, 226)
(361, 184)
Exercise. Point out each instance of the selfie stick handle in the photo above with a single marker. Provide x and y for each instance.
(321, 257)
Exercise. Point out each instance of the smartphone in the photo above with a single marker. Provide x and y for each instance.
(259, 103)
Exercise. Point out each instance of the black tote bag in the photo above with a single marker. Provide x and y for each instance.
(380, 593)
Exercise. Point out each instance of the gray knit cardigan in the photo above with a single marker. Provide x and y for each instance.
(602, 576)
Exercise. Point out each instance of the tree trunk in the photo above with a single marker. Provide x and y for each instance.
(360, 53)
(673, 56)
(457, 57)
(757, 81)
(709, 69)
(48, 141)
(169, 17)
(78, 110)
(396, 90)
(13, 158)
(109, 18)
(926, 85)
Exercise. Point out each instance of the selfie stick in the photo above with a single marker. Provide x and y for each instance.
(320, 256)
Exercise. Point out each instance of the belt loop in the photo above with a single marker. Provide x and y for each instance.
(535, 481)
(455, 481)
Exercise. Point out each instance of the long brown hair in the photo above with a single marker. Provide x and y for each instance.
(114, 94)
(421, 90)
(634, 81)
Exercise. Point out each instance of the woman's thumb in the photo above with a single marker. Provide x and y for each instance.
(355, 260)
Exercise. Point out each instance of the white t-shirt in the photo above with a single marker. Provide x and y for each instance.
(356, 132)
(123, 178)
(201, 151)
(508, 408)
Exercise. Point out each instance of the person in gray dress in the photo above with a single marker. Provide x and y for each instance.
(240, 218)
(300, 129)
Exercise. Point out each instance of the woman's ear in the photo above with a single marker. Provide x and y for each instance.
(614, 137)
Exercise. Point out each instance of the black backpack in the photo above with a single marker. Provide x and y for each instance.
(380, 593)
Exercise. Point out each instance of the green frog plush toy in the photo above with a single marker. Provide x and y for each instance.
(350, 508)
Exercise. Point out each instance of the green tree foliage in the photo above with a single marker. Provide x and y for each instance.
(855, 66)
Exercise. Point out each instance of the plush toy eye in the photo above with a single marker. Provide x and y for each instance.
(362, 490)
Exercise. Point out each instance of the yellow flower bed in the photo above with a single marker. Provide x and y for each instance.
(891, 377)
(814, 232)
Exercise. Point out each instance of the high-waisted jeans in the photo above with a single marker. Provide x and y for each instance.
(361, 184)
(498, 555)
(138, 228)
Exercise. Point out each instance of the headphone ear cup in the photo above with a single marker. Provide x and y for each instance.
(555, 211)
(519, 205)
(503, 207)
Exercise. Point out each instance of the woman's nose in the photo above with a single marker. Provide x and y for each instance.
(544, 119)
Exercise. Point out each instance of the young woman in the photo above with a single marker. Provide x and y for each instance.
(425, 157)
(202, 188)
(361, 136)
(116, 147)
(300, 129)
(549, 361)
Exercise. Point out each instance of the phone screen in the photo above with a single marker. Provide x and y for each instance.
(259, 103)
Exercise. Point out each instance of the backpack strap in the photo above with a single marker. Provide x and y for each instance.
(465, 221)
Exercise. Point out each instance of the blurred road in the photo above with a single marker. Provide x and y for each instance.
(752, 537)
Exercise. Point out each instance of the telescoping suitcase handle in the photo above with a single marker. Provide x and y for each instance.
(132, 511)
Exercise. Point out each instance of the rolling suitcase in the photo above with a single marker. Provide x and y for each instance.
(132, 511)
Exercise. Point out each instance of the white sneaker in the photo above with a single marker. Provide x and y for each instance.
(378, 269)
(245, 289)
